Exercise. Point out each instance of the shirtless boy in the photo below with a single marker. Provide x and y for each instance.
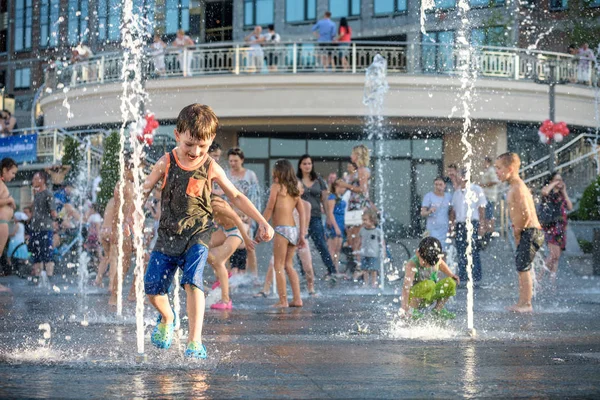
(526, 227)
(8, 170)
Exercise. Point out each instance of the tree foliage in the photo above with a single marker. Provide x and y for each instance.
(109, 170)
(72, 157)
(589, 205)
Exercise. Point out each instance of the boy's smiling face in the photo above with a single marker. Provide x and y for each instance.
(191, 150)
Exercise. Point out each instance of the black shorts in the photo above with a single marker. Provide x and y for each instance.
(238, 259)
(40, 244)
(531, 241)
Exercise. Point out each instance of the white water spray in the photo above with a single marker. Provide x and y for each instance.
(133, 98)
(467, 79)
(425, 6)
(376, 87)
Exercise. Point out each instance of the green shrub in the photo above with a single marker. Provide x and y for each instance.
(586, 246)
(589, 205)
(72, 156)
(109, 170)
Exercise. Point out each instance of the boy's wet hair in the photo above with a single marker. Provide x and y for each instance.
(214, 147)
(7, 163)
(43, 176)
(509, 159)
(372, 215)
(430, 249)
(199, 120)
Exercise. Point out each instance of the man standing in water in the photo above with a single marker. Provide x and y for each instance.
(526, 227)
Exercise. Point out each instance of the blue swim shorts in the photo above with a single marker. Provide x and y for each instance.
(162, 267)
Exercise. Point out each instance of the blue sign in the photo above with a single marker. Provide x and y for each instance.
(21, 148)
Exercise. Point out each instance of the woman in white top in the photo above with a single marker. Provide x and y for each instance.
(158, 54)
(245, 181)
(182, 41)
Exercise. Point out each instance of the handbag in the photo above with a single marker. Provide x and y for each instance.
(549, 213)
(353, 218)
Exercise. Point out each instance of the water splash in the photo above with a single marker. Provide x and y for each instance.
(468, 75)
(426, 5)
(133, 98)
(376, 87)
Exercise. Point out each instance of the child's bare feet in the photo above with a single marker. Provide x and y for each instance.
(280, 305)
(296, 303)
(517, 308)
(113, 300)
(4, 289)
(131, 297)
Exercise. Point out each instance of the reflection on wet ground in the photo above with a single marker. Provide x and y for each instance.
(342, 344)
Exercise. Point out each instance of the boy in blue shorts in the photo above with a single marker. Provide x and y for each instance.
(185, 226)
(421, 285)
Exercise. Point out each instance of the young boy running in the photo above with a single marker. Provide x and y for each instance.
(526, 227)
(185, 223)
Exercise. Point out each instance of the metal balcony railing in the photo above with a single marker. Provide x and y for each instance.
(50, 146)
(576, 161)
(310, 57)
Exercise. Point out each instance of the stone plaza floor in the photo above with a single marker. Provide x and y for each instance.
(345, 343)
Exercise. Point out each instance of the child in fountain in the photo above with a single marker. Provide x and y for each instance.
(421, 286)
(284, 197)
(223, 242)
(526, 227)
(8, 170)
(128, 208)
(42, 221)
(372, 247)
(185, 223)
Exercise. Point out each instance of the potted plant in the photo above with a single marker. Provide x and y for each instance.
(587, 217)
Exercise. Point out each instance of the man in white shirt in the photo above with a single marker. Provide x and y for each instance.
(489, 183)
(458, 217)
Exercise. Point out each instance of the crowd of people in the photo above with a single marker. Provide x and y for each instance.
(198, 213)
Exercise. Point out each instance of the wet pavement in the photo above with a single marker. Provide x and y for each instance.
(345, 343)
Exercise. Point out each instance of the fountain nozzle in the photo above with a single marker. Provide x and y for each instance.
(472, 332)
(141, 358)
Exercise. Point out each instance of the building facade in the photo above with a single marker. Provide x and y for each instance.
(34, 32)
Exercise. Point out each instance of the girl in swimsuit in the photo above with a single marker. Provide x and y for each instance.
(8, 170)
(283, 199)
(223, 243)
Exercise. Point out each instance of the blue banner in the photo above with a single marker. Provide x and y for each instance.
(21, 148)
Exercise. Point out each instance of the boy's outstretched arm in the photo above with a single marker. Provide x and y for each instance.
(240, 201)
(219, 205)
(158, 172)
(446, 270)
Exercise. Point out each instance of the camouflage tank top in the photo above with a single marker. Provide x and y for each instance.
(186, 212)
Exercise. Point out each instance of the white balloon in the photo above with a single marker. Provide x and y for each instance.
(558, 137)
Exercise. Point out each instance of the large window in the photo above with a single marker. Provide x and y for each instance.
(49, 23)
(109, 20)
(559, 4)
(485, 3)
(23, 23)
(177, 14)
(390, 6)
(258, 12)
(23, 78)
(78, 21)
(145, 9)
(437, 52)
(444, 4)
(300, 10)
(344, 8)
(489, 36)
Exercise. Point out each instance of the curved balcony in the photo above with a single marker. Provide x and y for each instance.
(307, 79)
